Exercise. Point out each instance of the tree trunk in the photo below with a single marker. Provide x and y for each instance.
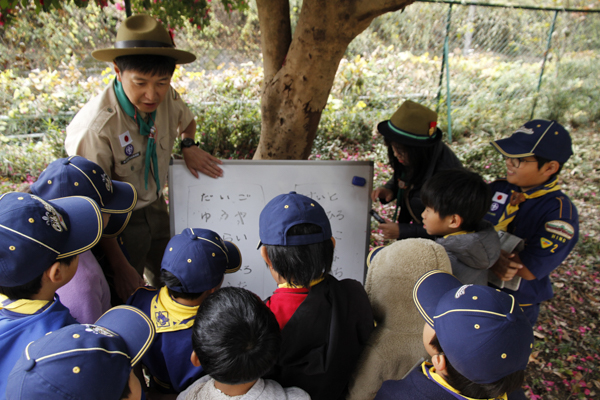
(296, 90)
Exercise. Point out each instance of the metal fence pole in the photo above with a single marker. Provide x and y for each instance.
(537, 94)
(446, 66)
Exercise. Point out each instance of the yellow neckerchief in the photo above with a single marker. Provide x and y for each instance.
(517, 198)
(458, 233)
(429, 372)
(170, 316)
(292, 286)
(24, 306)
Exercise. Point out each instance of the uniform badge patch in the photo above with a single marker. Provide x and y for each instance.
(494, 207)
(162, 318)
(125, 139)
(500, 197)
(545, 243)
(560, 228)
(129, 149)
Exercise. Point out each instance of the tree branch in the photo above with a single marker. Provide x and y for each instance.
(275, 34)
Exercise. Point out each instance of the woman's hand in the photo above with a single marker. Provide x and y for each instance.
(382, 193)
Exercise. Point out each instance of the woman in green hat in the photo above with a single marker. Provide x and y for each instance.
(416, 153)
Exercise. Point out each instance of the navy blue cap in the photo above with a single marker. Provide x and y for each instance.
(83, 361)
(77, 176)
(288, 210)
(483, 331)
(199, 258)
(372, 254)
(36, 233)
(116, 224)
(546, 139)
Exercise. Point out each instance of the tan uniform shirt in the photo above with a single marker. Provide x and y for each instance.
(104, 134)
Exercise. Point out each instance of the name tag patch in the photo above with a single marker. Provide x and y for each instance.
(131, 157)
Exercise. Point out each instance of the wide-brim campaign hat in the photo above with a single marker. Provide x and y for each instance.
(36, 233)
(77, 176)
(199, 258)
(546, 139)
(91, 361)
(142, 34)
(412, 125)
(482, 330)
(286, 211)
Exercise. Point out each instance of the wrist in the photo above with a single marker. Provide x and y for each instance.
(187, 143)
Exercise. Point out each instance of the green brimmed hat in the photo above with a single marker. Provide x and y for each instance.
(412, 125)
(142, 34)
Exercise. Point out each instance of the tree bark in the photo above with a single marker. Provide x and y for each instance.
(295, 91)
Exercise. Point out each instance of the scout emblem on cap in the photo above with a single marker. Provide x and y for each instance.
(52, 217)
(527, 131)
(99, 330)
(107, 182)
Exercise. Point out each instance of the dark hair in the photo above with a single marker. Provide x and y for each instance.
(419, 159)
(458, 191)
(299, 265)
(147, 64)
(31, 288)
(235, 336)
(541, 161)
(468, 388)
(170, 280)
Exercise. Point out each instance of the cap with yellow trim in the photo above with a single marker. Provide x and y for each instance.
(83, 361)
(35, 233)
(482, 331)
(199, 258)
(546, 139)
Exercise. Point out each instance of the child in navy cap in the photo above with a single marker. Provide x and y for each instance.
(529, 204)
(85, 361)
(39, 252)
(478, 338)
(325, 322)
(88, 296)
(193, 267)
(236, 339)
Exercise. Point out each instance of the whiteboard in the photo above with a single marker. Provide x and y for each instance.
(231, 206)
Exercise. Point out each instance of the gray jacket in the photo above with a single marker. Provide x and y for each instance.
(471, 254)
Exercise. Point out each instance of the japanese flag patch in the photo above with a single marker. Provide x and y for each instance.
(125, 139)
(500, 197)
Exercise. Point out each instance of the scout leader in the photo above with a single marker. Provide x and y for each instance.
(129, 130)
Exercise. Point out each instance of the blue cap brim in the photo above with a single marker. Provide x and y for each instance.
(85, 222)
(123, 200)
(133, 326)
(429, 289)
(372, 254)
(116, 224)
(234, 257)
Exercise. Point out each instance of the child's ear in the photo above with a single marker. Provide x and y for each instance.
(194, 359)
(265, 256)
(439, 362)
(54, 273)
(550, 168)
(455, 221)
(333, 240)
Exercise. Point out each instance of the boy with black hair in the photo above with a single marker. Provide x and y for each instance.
(456, 201)
(91, 361)
(478, 338)
(40, 246)
(530, 205)
(87, 295)
(193, 267)
(325, 322)
(236, 340)
(129, 130)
